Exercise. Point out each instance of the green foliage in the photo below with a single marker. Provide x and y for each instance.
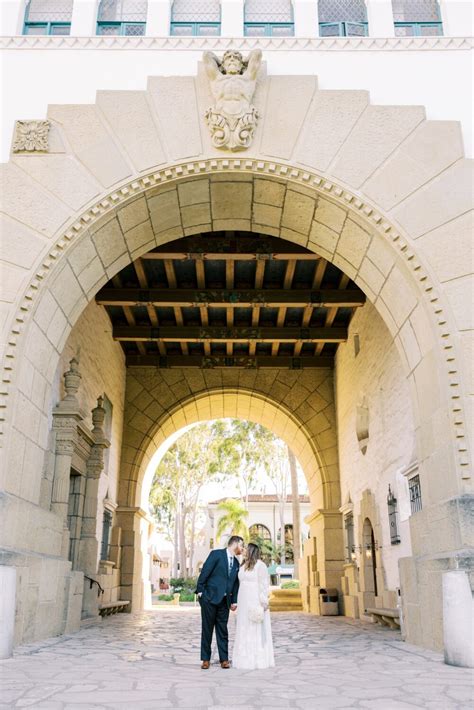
(183, 584)
(293, 584)
(234, 518)
(186, 597)
(165, 597)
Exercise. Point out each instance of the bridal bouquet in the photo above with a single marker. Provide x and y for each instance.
(256, 614)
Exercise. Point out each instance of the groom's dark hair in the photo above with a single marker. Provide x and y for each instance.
(234, 538)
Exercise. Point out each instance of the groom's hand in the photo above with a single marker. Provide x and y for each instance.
(233, 607)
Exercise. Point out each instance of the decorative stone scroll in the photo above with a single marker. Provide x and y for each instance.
(31, 136)
(232, 120)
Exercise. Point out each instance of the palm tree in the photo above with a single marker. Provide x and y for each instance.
(233, 518)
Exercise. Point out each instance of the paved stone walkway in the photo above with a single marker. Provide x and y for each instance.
(150, 661)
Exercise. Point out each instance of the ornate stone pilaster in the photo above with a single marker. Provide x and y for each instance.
(66, 417)
(95, 465)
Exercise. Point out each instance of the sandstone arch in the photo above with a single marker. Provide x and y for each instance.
(327, 170)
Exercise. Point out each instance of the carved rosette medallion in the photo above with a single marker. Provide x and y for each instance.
(31, 136)
(232, 119)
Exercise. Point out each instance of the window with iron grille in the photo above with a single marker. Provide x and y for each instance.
(106, 526)
(122, 17)
(342, 18)
(416, 18)
(414, 489)
(393, 517)
(192, 17)
(349, 530)
(48, 17)
(268, 18)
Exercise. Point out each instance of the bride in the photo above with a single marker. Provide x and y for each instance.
(253, 645)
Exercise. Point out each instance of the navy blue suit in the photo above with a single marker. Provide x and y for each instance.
(218, 590)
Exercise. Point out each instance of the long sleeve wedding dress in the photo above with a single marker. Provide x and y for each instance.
(253, 645)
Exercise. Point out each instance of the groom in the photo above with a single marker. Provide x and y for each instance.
(217, 589)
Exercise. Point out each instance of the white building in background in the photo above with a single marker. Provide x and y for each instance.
(263, 521)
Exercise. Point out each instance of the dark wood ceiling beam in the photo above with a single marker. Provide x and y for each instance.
(172, 284)
(287, 282)
(201, 282)
(197, 334)
(259, 277)
(243, 362)
(222, 256)
(229, 284)
(128, 313)
(332, 312)
(223, 298)
(143, 281)
(318, 276)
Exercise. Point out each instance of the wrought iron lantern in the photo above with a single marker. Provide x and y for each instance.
(393, 517)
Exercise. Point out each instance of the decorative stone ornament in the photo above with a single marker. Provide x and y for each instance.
(31, 136)
(72, 380)
(232, 120)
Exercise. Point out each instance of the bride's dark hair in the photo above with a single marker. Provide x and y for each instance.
(253, 556)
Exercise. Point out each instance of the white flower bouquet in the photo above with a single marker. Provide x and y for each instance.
(256, 614)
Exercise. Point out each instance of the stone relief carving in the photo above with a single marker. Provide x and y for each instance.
(31, 136)
(232, 120)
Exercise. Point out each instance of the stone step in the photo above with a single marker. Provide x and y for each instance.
(286, 600)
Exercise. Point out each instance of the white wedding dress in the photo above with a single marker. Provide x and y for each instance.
(253, 645)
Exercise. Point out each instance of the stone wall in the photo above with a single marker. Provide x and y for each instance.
(372, 383)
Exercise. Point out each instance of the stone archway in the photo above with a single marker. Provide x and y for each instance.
(268, 402)
(337, 187)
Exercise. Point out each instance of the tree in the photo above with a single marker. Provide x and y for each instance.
(174, 497)
(295, 502)
(243, 452)
(233, 518)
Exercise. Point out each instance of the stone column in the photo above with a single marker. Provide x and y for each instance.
(12, 17)
(7, 609)
(232, 18)
(158, 18)
(306, 18)
(458, 619)
(380, 18)
(457, 17)
(84, 18)
(66, 417)
(326, 529)
(89, 545)
(134, 525)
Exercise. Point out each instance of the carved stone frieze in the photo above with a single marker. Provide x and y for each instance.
(31, 136)
(233, 119)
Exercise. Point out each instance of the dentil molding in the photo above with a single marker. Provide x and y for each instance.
(221, 44)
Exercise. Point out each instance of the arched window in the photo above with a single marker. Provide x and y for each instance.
(259, 532)
(416, 17)
(268, 18)
(122, 17)
(192, 17)
(342, 18)
(48, 17)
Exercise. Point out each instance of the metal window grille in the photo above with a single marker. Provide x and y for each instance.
(260, 531)
(191, 17)
(273, 11)
(106, 526)
(347, 11)
(414, 488)
(49, 11)
(415, 10)
(416, 18)
(393, 517)
(196, 11)
(349, 528)
(122, 11)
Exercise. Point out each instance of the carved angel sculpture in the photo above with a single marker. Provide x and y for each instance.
(232, 120)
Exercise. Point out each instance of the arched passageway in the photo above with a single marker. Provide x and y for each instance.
(345, 212)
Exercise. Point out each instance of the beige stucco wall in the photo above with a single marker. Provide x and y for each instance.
(375, 378)
(102, 366)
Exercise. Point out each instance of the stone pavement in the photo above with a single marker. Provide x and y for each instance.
(150, 661)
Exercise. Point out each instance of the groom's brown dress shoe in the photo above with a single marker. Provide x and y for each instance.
(205, 665)
(225, 664)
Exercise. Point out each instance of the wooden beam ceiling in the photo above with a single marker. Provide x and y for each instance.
(230, 299)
